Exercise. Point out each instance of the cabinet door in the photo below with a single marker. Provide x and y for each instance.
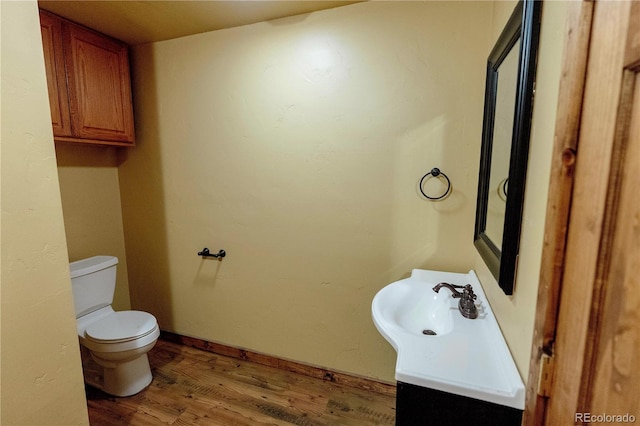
(51, 28)
(99, 85)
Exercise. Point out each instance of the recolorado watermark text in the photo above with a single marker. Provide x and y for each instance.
(604, 418)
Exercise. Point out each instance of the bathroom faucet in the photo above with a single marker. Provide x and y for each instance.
(466, 305)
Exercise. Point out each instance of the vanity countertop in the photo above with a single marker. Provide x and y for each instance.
(469, 358)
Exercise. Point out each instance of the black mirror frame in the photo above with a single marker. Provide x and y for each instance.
(523, 25)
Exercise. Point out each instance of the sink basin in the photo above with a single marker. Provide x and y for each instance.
(440, 349)
(423, 310)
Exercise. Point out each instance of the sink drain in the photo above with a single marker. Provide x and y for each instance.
(429, 332)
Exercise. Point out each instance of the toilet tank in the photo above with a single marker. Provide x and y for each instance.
(93, 282)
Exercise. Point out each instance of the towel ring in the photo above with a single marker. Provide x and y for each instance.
(504, 185)
(435, 172)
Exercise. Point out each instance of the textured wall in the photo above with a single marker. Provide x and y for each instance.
(40, 359)
(296, 145)
(516, 313)
(90, 192)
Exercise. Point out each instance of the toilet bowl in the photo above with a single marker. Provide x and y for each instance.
(114, 345)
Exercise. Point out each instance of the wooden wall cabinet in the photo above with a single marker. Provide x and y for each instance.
(89, 84)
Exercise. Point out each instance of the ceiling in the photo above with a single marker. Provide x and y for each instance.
(136, 22)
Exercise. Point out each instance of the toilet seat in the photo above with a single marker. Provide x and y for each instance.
(120, 327)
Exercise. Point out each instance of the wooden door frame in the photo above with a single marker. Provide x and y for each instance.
(577, 224)
(574, 65)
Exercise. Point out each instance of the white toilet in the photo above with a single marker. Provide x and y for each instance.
(114, 345)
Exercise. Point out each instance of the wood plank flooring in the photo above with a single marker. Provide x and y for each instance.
(195, 387)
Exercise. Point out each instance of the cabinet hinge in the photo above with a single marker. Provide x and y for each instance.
(545, 380)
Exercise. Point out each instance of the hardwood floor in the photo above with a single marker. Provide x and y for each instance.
(195, 387)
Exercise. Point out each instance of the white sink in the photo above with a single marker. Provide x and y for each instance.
(423, 309)
(467, 357)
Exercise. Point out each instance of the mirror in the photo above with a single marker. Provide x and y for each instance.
(506, 128)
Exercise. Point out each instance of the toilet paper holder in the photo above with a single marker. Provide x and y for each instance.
(206, 253)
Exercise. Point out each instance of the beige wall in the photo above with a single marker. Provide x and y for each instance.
(516, 313)
(301, 160)
(40, 360)
(296, 145)
(92, 210)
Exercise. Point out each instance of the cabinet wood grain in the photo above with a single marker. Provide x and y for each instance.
(51, 28)
(89, 83)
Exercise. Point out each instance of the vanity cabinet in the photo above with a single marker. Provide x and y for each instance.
(416, 405)
(89, 83)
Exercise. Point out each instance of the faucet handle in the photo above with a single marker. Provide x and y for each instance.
(467, 307)
(468, 292)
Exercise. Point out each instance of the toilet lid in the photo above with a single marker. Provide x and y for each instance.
(121, 326)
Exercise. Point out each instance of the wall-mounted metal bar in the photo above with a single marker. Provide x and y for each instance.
(206, 253)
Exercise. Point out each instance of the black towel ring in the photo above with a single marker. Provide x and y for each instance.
(504, 185)
(435, 172)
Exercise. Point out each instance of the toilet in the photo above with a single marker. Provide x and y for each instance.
(113, 345)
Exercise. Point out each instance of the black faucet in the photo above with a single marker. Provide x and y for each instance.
(466, 305)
